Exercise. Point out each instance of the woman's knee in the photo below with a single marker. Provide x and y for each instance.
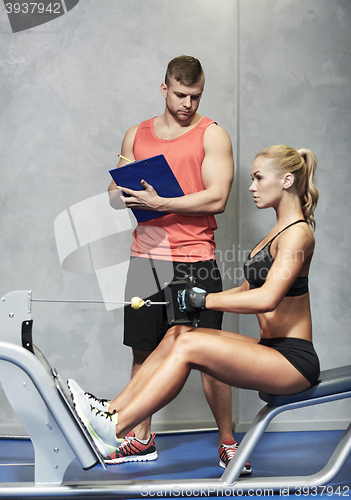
(171, 336)
(177, 330)
(185, 341)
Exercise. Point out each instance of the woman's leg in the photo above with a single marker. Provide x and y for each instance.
(147, 369)
(229, 358)
(156, 358)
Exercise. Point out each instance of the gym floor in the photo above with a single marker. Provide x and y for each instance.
(194, 455)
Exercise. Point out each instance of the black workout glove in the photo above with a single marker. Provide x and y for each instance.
(191, 299)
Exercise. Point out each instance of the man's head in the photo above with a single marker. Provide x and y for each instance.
(186, 70)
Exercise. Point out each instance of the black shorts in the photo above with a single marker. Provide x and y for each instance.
(299, 352)
(144, 328)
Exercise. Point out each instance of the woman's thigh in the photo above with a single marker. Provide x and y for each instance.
(175, 331)
(240, 361)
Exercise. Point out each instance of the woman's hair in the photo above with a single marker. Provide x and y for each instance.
(302, 164)
(186, 70)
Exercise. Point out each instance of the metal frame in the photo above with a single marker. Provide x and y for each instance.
(39, 397)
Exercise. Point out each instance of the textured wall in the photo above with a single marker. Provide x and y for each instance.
(295, 89)
(70, 89)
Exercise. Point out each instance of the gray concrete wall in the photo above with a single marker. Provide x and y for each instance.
(276, 72)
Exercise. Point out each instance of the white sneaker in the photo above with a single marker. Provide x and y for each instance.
(86, 412)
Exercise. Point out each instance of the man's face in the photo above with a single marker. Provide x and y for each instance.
(182, 100)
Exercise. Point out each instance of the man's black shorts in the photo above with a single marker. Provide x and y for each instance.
(144, 328)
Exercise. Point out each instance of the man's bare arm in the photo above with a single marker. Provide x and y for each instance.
(114, 193)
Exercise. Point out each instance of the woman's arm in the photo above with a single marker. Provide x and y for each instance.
(293, 254)
(238, 289)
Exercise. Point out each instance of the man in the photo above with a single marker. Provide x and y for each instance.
(199, 153)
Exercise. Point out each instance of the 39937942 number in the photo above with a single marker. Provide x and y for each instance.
(33, 8)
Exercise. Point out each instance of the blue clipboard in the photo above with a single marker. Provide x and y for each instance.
(155, 171)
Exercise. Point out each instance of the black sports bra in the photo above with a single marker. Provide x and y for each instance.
(257, 267)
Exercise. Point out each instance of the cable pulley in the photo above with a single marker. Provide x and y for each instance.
(136, 302)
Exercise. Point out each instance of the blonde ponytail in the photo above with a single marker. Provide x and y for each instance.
(309, 197)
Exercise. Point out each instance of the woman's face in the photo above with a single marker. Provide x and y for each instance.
(266, 187)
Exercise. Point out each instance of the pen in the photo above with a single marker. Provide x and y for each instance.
(124, 158)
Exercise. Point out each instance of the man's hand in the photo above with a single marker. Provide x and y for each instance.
(191, 299)
(146, 199)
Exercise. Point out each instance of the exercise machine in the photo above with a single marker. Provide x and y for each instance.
(42, 402)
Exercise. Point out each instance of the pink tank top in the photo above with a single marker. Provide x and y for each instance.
(180, 238)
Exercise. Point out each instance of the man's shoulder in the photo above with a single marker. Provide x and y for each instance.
(144, 123)
(217, 140)
(147, 123)
(131, 132)
(214, 130)
(207, 119)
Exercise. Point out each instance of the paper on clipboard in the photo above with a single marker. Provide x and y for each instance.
(155, 171)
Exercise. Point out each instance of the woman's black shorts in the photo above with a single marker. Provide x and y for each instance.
(299, 352)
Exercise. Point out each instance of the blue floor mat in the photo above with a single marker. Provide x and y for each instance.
(195, 456)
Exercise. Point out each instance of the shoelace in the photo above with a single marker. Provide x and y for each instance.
(129, 447)
(91, 396)
(126, 442)
(104, 414)
(229, 450)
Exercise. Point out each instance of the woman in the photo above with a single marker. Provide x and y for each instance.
(283, 360)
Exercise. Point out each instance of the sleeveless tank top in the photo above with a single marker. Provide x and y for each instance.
(176, 237)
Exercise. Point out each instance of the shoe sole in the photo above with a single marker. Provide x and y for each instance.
(244, 472)
(131, 458)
